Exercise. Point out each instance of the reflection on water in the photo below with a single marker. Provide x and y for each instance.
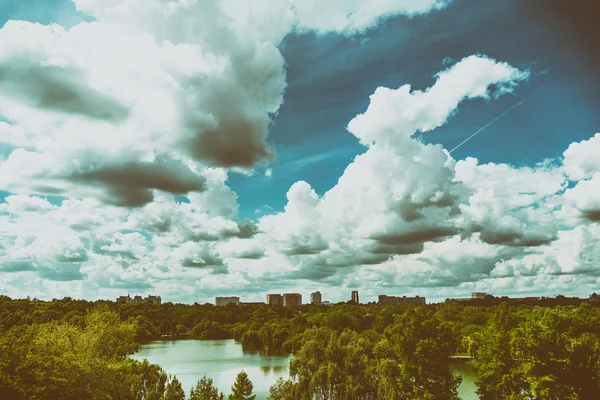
(277, 369)
(265, 352)
(220, 360)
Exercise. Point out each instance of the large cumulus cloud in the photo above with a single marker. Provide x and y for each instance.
(399, 194)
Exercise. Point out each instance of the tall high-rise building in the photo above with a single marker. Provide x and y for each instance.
(223, 301)
(274, 299)
(292, 299)
(355, 296)
(316, 298)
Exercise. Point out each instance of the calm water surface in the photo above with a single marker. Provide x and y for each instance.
(468, 386)
(222, 360)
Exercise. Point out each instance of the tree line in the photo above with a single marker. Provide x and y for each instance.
(342, 352)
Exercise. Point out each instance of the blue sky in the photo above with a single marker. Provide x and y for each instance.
(132, 157)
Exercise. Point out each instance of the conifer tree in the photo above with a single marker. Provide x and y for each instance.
(242, 388)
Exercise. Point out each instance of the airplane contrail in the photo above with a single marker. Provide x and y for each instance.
(479, 131)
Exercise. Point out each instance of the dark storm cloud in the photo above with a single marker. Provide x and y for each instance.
(59, 89)
(207, 260)
(407, 248)
(128, 184)
(416, 236)
(73, 257)
(247, 229)
(332, 268)
(65, 268)
(328, 274)
(62, 272)
(238, 143)
(118, 283)
(298, 249)
(515, 238)
(593, 216)
(17, 266)
(104, 250)
(254, 254)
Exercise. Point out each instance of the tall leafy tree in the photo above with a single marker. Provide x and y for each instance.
(413, 359)
(332, 366)
(543, 354)
(242, 388)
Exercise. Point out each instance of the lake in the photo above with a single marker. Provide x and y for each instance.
(222, 360)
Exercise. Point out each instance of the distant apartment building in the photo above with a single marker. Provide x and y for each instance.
(153, 300)
(123, 299)
(292, 299)
(274, 299)
(139, 300)
(355, 296)
(397, 300)
(316, 298)
(478, 295)
(223, 301)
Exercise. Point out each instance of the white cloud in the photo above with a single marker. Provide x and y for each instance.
(581, 159)
(351, 16)
(585, 196)
(13, 134)
(395, 115)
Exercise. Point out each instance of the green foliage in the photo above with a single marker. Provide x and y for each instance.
(174, 391)
(540, 354)
(242, 388)
(331, 365)
(64, 361)
(413, 358)
(409, 361)
(283, 390)
(205, 390)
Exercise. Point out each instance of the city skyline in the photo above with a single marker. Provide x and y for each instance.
(277, 299)
(193, 148)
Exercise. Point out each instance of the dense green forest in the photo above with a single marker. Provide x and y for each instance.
(75, 349)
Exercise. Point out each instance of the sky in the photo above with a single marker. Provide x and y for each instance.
(192, 149)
